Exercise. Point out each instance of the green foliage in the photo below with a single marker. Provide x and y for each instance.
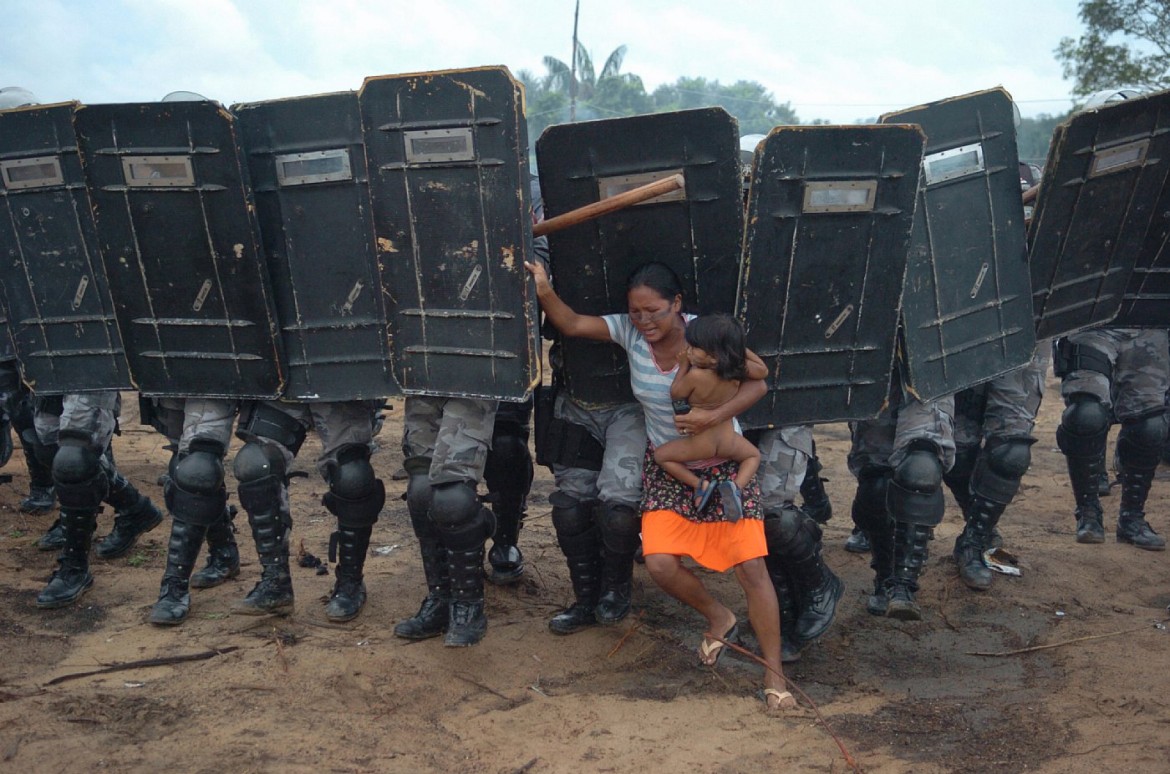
(755, 109)
(1125, 43)
(1034, 135)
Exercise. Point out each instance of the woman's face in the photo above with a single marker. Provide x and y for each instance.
(653, 315)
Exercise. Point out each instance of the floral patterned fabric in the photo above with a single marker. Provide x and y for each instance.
(662, 492)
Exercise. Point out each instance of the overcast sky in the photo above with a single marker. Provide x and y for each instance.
(840, 60)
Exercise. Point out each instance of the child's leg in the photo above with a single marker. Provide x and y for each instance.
(671, 456)
(734, 446)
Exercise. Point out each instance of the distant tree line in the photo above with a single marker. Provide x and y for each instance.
(610, 93)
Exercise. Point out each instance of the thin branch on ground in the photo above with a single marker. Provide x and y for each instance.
(1062, 643)
(633, 627)
(145, 663)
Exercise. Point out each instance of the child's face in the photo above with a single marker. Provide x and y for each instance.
(700, 358)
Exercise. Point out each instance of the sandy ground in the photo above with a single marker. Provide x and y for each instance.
(952, 693)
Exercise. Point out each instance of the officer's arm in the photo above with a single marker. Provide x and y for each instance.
(563, 318)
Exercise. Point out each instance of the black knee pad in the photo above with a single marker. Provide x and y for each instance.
(1140, 440)
(256, 461)
(570, 517)
(1084, 426)
(869, 501)
(77, 473)
(453, 505)
(620, 527)
(355, 495)
(196, 493)
(419, 494)
(915, 493)
(790, 531)
(1001, 466)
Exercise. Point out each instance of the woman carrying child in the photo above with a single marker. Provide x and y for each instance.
(653, 335)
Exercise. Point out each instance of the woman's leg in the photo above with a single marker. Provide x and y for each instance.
(764, 613)
(682, 584)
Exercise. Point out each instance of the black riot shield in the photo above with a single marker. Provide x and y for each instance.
(307, 163)
(966, 306)
(696, 231)
(448, 159)
(54, 283)
(1098, 239)
(829, 220)
(181, 248)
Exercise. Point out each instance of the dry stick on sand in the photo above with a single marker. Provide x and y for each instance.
(144, 663)
(840, 745)
(633, 627)
(1062, 643)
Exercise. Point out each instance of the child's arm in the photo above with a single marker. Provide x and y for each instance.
(755, 366)
(682, 386)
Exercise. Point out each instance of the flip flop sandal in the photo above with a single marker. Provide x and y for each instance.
(780, 697)
(732, 500)
(708, 647)
(703, 493)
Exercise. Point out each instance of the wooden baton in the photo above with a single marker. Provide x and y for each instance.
(621, 201)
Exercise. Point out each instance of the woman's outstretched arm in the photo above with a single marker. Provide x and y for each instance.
(563, 318)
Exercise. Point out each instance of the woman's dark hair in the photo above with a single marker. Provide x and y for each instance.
(658, 277)
(722, 337)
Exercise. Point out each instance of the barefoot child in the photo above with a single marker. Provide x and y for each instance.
(709, 374)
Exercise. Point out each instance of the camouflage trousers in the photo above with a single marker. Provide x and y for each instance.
(186, 419)
(1140, 364)
(884, 441)
(93, 413)
(452, 436)
(784, 456)
(1006, 406)
(622, 431)
(338, 424)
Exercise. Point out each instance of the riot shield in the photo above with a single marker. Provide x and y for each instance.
(181, 248)
(829, 219)
(307, 164)
(54, 283)
(1098, 241)
(448, 160)
(966, 306)
(696, 231)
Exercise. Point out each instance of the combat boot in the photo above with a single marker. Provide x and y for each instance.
(910, 553)
(223, 555)
(813, 495)
(579, 542)
(817, 588)
(174, 598)
(857, 542)
(54, 537)
(619, 526)
(977, 536)
(506, 561)
(274, 592)
(790, 645)
(72, 578)
(348, 547)
(42, 497)
(467, 624)
(134, 516)
(1132, 526)
(434, 612)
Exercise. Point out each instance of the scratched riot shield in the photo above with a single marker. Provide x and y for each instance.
(966, 305)
(307, 163)
(829, 219)
(448, 160)
(1098, 236)
(54, 284)
(181, 248)
(696, 231)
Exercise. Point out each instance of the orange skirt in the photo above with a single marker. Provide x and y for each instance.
(717, 545)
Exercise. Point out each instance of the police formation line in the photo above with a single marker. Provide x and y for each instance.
(301, 260)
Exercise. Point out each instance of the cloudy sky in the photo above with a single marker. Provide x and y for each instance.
(835, 59)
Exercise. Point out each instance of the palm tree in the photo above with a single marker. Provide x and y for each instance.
(560, 75)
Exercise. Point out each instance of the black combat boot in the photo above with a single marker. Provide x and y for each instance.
(72, 578)
(977, 536)
(1132, 526)
(910, 553)
(274, 592)
(174, 598)
(348, 547)
(54, 537)
(134, 515)
(812, 492)
(1084, 473)
(433, 615)
(818, 591)
(619, 526)
(223, 555)
(506, 561)
(790, 644)
(467, 624)
(857, 542)
(41, 498)
(881, 561)
(579, 542)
